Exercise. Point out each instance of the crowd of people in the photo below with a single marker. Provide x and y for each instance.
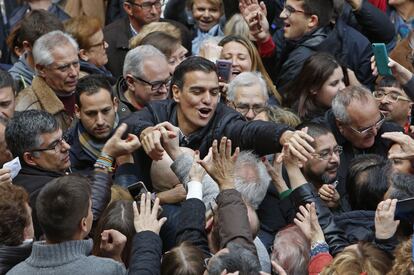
(206, 137)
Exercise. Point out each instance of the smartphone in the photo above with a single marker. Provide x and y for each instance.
(223, 70)
(381, 59)
(137, 189)
(405, 210)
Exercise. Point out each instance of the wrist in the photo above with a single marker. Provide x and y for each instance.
(174, 153)
(104, 162)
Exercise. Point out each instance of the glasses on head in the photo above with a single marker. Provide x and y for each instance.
(64, 68)
(55, 146)
(245, 108)
(370, 128)
(100, 44)
(155, 86)
(289, 10)
(392, 96)
(147, 6)
(327, 154)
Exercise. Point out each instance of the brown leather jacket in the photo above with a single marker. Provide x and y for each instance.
(39, 96)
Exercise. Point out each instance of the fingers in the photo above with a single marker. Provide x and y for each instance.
(152, 145)
(162, 221)
(278, 269)
(396, 137)
(142, 204)
(120, 130)
(215, 150)
(155, 208)
(223, 147)
(148, 204)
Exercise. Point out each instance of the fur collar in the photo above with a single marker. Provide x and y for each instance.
(46, 96)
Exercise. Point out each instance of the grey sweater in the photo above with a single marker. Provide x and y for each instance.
(70, 257)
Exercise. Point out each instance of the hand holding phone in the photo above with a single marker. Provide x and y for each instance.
(381, 59)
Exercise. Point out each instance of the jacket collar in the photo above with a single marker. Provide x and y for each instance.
(46, 96)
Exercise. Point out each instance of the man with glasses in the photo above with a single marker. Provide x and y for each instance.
(145, 78)
(394, 103)
(357, 124)
(307, 28)
(37, 139)
(247, 94)
(53, 89)
(118, 33)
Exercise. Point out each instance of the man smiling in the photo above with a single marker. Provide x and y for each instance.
(196, 110)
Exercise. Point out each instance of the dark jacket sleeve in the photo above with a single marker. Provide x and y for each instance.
(233, 220)
(370, 21)
(100, 193)
(146, 254)
(334, 236)
(191, 225)
(260, 136)
(409, 88)
(140, 120)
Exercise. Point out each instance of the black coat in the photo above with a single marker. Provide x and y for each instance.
(380, 146)
(13, 255)
(260, 136)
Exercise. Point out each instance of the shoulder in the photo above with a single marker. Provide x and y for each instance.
(116, 26)
(27, 99)
(105, 265)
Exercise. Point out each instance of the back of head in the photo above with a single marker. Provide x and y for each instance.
(184, 259)
(291, 250)
(251, 178)
(164, 42)
(403, 261)
(119, 216)
(191, 64)
(238, 259)
(322, 8)
(345, 97)
(236, 25)
(281, 115)
(388, 82)
(367, 181)
(44, 46)
(135, 58)
(37, 23)
(363, 258)
(82, 28)
(247, 79)
(61, 205)
(24, 129)
(165, 27)
(401, 186)
(14, 214)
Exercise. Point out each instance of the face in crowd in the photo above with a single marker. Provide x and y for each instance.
(97, 113)
(206, 13)
(249, 101)
(197, 100)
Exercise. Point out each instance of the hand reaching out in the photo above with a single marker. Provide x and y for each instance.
(146, 218)
(197, 172)
(329, 194)
(221, 165)
(307, 220)
(275, 172)
(116, 146)
(255, 16)
(112, 244)
(406, 143)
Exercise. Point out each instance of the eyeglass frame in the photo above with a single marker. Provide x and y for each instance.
(289, 10)
(377, 125)
(161, 83)
(399, 97)
(52, 146)
(100, 44)
(150, 5)
(250, 107)
(338, 149)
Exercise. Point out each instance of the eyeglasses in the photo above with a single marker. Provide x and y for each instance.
(392, 96)
(370, 128)
(327, 154)
(147, 6)
(66, 67)
(289, 10)
(155, 86)
(100, 44)
(56, 146)
(245, 108)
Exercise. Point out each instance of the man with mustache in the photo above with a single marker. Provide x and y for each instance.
(96, 111)
(322, 169)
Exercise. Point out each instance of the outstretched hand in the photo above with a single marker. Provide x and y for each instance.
(116, 146)
(146, 218)
(221, 165)
(298, 144)
(406, 143)
(112, 244)
(254, 14)
(385, 225)
(307, 220)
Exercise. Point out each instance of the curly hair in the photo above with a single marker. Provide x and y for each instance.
(403, 264)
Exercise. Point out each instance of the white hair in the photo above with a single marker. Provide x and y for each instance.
(44, 46)
(135, 58)
(253, 191)
(247, 79)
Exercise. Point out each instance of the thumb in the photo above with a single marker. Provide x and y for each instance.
(162, 221)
